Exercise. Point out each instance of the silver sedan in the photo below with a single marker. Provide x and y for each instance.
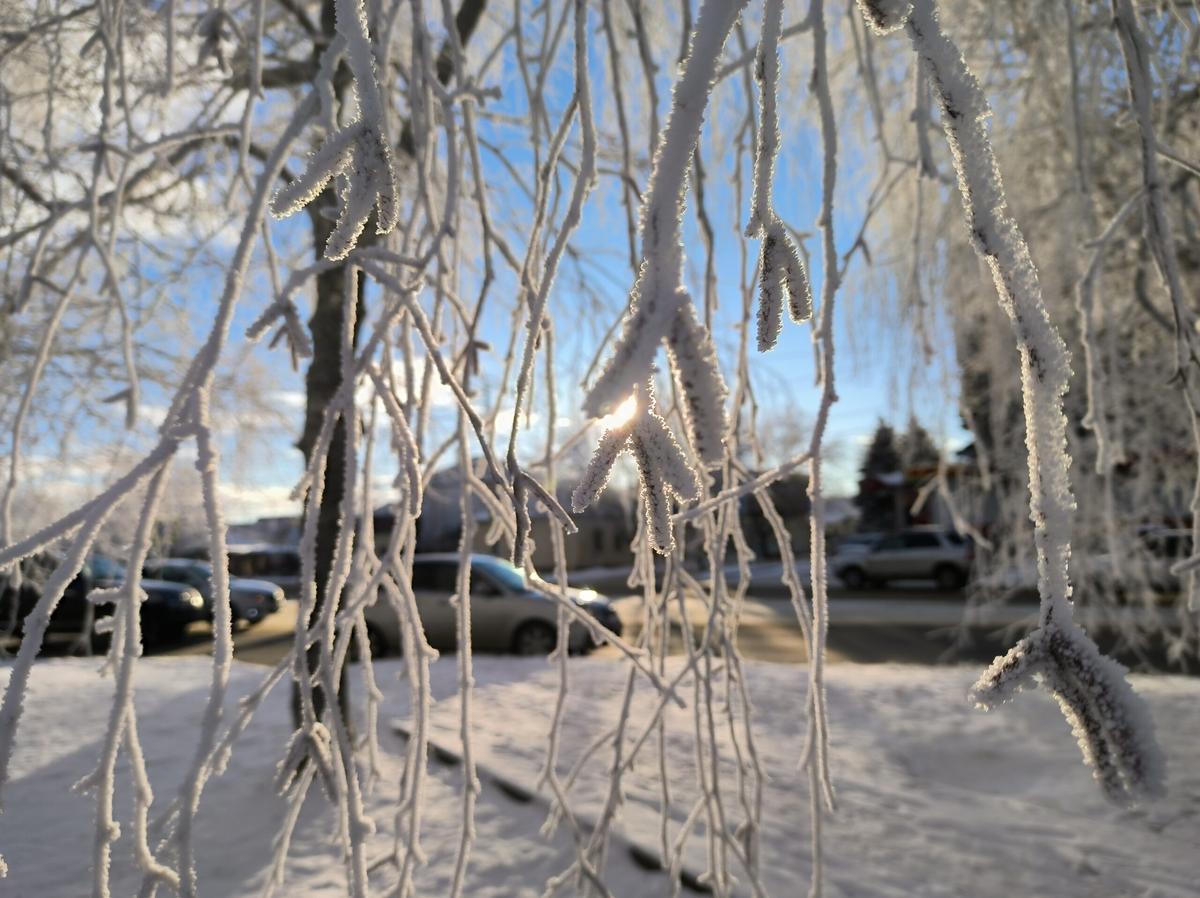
(507, 614)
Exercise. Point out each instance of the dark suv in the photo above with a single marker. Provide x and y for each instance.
(168, 609)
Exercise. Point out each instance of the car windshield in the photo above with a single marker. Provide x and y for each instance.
(507, 574)
(104, 568)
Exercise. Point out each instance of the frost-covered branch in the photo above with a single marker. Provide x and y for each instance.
(1044, 372)
(660, 308)
(781, 270)
(360, 151)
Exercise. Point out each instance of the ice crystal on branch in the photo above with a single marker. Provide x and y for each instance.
(885, 16)
(659, 307)
(1112, 725)
(1110, 722)
(780, 267)
(360, 152)
(663, 470)
(780, 271)
(696, 369)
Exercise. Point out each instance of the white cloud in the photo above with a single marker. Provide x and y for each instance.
(249, 503)
(290, 399)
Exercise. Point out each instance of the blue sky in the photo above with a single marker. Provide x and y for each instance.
(878, 376)
(877, 373)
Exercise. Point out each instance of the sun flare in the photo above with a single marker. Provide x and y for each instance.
(621, 415)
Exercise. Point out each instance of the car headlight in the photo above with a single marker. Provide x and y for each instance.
(193, 598)
(587, 596)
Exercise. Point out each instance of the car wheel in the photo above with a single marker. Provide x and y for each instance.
(100, 642)
(379, 645)
(948, 577)
(853, 577)
(534, 639)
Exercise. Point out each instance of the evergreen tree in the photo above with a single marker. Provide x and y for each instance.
(917, 448)
(876, 499)
(882, 456)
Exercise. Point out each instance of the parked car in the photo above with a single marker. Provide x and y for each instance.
(16, 601)
(924, 553)
(507, 613)
(166, 612)
(250, 600)
(857, 543)
(276, 564)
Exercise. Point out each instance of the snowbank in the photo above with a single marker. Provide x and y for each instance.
(936, 799)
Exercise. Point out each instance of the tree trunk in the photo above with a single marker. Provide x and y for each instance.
(324, 375)
(321, 383)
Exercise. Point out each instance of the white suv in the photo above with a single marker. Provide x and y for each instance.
(924, 553)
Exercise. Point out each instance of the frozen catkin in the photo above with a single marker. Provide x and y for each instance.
(1111, 720)
(781, 270)
(659, 307)
(360, 152)
(698, 376)
(885, 16)
(663, 470)
(1113, 728)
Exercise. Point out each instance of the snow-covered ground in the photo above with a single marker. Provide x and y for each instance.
(936, 799)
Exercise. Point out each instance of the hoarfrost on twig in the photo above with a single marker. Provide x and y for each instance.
(780, 266)
(360, 151)
(659, 308)
(663, 470)
(1093, 693)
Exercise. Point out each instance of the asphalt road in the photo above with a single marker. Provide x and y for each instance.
(913, 626)
(263, 643)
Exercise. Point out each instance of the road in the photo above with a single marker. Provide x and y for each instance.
(915, 624)
(904, 625)
(919, 626)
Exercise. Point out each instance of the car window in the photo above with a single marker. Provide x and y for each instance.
(243, 565)
(172, 573)
(483, 586)
(888, 543)
(921, 541)
(435, 576)
(178, 574)
(954, 538)
(266, 564)
(105, 568)
(503, 572)
(283, 564)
